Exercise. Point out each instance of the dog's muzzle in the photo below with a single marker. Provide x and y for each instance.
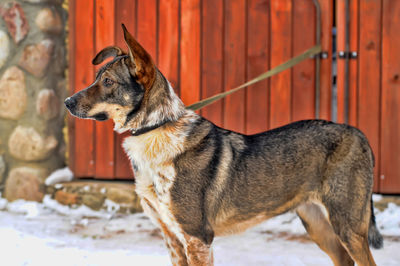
(72, 104)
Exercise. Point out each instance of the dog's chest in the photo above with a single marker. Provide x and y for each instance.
(154, 172)
(154, 183)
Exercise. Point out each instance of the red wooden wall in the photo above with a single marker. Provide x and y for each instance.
(374, 83)
(202, 47)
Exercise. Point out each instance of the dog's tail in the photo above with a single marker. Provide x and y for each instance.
(375, 238)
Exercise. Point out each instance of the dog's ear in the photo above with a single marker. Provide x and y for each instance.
(142, 66)
(106, 53)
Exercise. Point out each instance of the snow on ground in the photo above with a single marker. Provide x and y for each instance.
(58, 176)
(53, 234)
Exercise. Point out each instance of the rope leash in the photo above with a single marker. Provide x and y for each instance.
(286, 65)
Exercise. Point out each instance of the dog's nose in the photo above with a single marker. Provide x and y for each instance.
(70, 103)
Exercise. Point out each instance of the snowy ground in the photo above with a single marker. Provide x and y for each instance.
(51, 234)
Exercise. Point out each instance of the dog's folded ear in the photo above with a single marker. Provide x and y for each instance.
(142, 66)
(106, 53)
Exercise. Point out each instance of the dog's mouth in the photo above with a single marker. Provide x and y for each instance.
(71, 103)
(97, 117)
(78, 115)
(100, 117)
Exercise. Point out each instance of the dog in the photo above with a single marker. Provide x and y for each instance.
(197, 180)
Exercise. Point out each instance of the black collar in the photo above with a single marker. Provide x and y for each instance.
(144, 130)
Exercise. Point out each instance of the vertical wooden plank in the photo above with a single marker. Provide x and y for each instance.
(147, 26)
(190, 51)
(340, 46)
(257, 62)
(353, 64)
(303, 82)
(71, 84)
(326, 64)
(168, 34)
(369, 76)
(212, 58)
(234, 64)
(84, 46)
(390, 113)
(104, 130)
(125, 13)
(341, 63)
(281, 51)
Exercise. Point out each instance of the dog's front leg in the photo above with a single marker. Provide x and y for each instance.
(198, 253)
(175, 247)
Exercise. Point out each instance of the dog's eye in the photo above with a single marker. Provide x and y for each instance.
(108, 82)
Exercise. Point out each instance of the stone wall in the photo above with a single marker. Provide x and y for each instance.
(32, 88)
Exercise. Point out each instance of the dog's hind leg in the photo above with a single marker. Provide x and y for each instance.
(346, 194)
(351, 226)
(349, 211)
(321, 232)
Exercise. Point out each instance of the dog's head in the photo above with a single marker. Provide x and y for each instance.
(127, 89)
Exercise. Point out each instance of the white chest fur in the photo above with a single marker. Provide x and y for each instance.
(152, 172)
(153, 155)
(155, 175)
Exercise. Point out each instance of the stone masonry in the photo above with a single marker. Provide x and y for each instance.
(32, 89)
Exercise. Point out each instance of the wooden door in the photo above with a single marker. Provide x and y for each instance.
(390, 99)
(202, 47)
(374, 82)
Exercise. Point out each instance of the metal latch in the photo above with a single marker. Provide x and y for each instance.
(321, 55)
(347, 54)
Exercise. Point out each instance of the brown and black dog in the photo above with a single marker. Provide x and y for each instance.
(197, 181)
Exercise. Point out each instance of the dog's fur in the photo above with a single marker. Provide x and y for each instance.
(198, 181)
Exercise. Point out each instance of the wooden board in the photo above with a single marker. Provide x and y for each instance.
(369, 64)
(303, 75)
(326, 64)
(104, 139)
(340, 46)
(281, 51)
(83, 134)
(168, 48)
(212, 58)
(234, 63)
(147, 26)
(258, 45)
(70, 141)
(390, 113)
(353, 64)
(190, 51)
(125, 13)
